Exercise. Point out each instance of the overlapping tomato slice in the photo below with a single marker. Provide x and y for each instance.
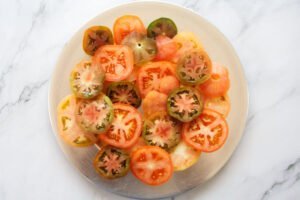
(125, 128)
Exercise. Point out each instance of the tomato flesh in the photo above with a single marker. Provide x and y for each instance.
(154, 101)
(115, 60)
(151, 165)
(69, 130)
(206, 133)
(111, 162)
(162, 26)
(125, 128)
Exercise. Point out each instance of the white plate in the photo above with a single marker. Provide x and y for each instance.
(218, 48)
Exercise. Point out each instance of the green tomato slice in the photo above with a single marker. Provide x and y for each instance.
(95, 115)
(111, 162)
(86, 80)
(162, 26)
(124, 92)
(144, 48)
(161, 130)
(185, 104)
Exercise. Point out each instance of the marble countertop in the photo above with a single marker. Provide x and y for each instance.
(266, 35)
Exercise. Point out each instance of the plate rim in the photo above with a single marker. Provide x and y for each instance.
(52, 107)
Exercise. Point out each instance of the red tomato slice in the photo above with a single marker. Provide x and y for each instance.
(152, 165)
(218, 84)
(150, 75)
(127, 24)
(206, 133)
(68, 129)
(166, 47)
(220, 104)
(126, 127)
(115, 60)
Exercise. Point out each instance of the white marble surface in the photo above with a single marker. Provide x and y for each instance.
(266, 35)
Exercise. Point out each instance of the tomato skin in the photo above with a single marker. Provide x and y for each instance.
(218, 84)
(151, 73)
(127, 24)
(219, 104)
(162, 26)
(168, 84)
(68, 129)
(140, 143)
(149, 160)
(115, 60)
(116, 135)
(201, 132)
(166, 48)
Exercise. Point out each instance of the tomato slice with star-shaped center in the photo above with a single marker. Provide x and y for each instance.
(206, 133)
(185, 104)
(111, 162)
(68, 129)
(151, 165)
(125, 128)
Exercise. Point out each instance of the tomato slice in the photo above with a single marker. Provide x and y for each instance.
(111, 162)
(68, 129)
(194, 67)
(115, 60)
(144, 48)
(86, 80)
(218, 84)
(95, 115)
(124, 92)
(95, 37)
(151, 165)
(206, 133)
(161, 130)
(186, 42)
(166, 48)
(185, 104)
(125, 128)
(127, 24)
(162, 26)
(220, 104)
(184, 156)
(154, 101)
(150, 75)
